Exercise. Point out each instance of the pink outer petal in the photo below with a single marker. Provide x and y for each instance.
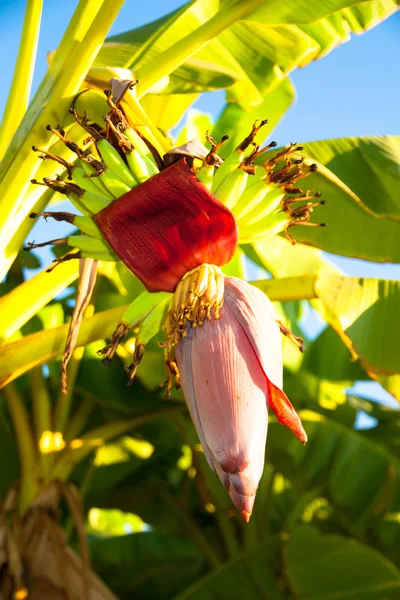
(256, 315)
(226, 390)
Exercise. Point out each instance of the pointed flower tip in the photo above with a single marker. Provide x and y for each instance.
(304, 438)
(246, 516)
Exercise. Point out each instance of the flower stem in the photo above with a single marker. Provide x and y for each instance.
(172, 58)
(26, 446)
(18, 97)
(42, 418)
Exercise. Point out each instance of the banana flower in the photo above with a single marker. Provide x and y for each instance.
(231, 371)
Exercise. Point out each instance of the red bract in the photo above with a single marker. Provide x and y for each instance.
(167, 226)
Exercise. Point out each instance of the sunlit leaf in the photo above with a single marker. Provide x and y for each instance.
(24, 301)
(350, 230)
(369, 166)
(366, 318)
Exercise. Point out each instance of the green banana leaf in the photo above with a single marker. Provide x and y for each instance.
(365, 314)
(144, 565)
(369, 166)
(350, 230)
(328, 567)
(249, 58)
(359, 478)
(249, 574)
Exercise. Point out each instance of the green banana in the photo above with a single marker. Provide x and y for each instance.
(88, 203)
(272, 225)
(259, 201)
(114, 161)
(87, 226)
(139, 144)
(142, 306)
(109, 180)
(206, 175)
(79, 204)
(88, 244)
(81, 175)
(251, 197)
(140, 165)
(232, 187)
(231, 163)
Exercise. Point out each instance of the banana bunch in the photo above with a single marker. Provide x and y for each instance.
(100, 174)
(260, 190)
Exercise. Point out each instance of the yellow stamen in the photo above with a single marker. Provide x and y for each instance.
(198, 297)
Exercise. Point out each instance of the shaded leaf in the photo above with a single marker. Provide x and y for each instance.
(249, 573)
(145, 565)
(329, 567)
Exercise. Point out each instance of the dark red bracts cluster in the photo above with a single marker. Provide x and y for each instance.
(167, 226)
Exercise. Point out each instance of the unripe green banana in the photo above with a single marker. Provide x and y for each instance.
(252, 196)
(270, 204)
(113, 183)
(142, 306)
(272, 225)
(139, 144)
(91, 184)
(79, 204)
(140, 165)
(114, 161)
(88, 244)
(232, 187)
(259, 203)
(105, 256)
(88, 203)
(154, 320)
(230, 164)
(88, 226)
(85, 224)
(206, 175)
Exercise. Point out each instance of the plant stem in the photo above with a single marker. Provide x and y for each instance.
(42, 418)
(196, 533)
(73, 36)
(172, 58)
(26, 446)
(18, 97)
(22, 166)
(78, 420)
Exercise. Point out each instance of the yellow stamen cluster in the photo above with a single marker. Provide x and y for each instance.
(198, 297)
